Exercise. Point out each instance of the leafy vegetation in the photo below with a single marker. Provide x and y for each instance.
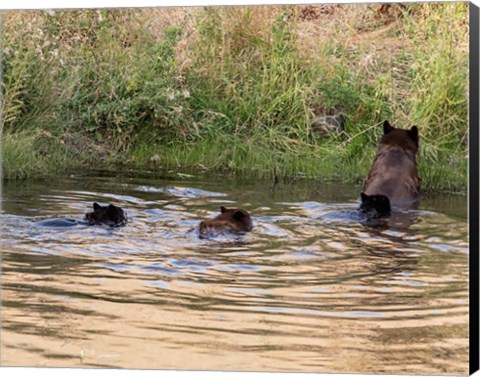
(235, 88)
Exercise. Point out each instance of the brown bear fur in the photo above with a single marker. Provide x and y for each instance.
(233, 220)
(394, 170)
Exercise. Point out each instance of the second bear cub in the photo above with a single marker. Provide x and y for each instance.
(230, 220)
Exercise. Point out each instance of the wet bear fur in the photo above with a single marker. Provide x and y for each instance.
(374, 206)
(394, 169)
(106, 215)
(230, 220)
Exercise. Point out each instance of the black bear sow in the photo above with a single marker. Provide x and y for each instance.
(106, 215)
(230, 220)
(374, 206)
(394, 170)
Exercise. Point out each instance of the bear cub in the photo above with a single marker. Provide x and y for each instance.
(106, 215)
(374, 206)
(230, 220)
(394, 169)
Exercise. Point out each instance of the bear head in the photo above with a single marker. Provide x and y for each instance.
(106, 215)
(375, 206)
(407, 139)
(233, 220)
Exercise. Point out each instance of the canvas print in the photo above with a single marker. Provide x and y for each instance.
(237, 188)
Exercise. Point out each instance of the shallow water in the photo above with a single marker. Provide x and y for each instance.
(311, 288)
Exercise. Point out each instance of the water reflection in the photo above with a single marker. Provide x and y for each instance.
(311, 288)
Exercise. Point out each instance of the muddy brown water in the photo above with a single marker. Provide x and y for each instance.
(310, 289)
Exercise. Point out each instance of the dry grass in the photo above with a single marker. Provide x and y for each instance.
(199, 76)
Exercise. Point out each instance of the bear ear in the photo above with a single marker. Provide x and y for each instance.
(111, 208)
(96, 206)
(413, 133)
(223, 209)
(363, 196)
(387, 127)
(239, 215)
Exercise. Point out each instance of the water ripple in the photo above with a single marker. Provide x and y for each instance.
(309, 285)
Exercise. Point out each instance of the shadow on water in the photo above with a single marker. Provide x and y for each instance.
(312, 288)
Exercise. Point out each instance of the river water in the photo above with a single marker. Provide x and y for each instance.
(310, 289)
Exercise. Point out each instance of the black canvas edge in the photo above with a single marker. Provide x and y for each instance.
(474, 41)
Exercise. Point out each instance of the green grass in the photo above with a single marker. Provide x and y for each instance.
(30, 154)
(255, 157)
(234, 89)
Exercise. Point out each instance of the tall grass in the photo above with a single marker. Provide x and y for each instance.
(235, 88)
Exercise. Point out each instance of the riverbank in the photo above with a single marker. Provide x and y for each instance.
(235, 89)
(250, 158)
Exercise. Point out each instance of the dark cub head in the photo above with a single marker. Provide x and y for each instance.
(106, 215)
(375, 206)
(241, 218)
(407, 139)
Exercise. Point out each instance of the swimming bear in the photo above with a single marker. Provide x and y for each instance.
(374, 206)
(230, 220)
(394, 169)
(102, 215)
(106, 215)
